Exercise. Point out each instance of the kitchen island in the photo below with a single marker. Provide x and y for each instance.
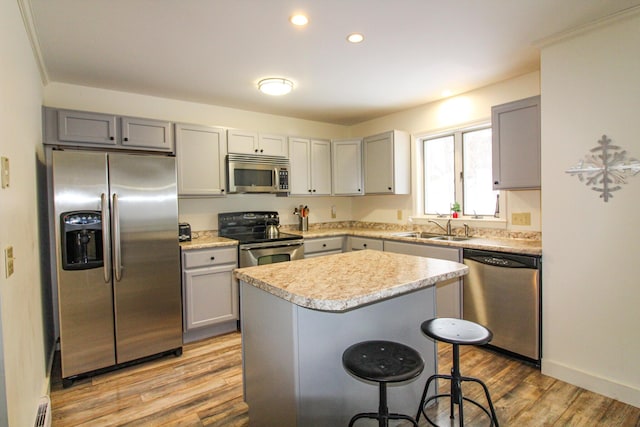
(298, 317)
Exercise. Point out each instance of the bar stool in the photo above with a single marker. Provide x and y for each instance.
(382, 362)
(457, 332)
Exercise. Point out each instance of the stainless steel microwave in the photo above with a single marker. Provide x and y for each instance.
(249, 173)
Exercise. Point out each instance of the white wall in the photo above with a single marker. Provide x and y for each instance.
(202, 213)
(591, 87)
(23, 342)
(451, 113)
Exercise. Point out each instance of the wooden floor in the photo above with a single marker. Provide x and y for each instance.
(203, 387)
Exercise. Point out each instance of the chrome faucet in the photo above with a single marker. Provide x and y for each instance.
(446, 230)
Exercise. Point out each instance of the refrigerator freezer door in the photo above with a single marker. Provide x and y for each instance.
(84, 296)
(147, 289)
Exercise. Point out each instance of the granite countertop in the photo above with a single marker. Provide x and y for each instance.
(210, 239)
(345, 281)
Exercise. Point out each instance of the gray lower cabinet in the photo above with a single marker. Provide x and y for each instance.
(448, 293)
(83, 128)
(210, 292)
(323, 246)
(361, 243)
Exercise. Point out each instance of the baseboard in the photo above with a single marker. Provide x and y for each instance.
(597, 384)
(209, 331)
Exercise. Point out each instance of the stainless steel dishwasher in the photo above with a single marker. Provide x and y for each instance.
(503, 292)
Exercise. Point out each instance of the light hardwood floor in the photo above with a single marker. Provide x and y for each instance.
(203, 387)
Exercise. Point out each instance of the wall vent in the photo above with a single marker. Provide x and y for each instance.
(43, 417)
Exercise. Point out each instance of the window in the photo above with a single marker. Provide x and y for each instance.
(457, 168)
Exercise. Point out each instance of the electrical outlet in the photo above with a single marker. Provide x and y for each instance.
(522, 218)
(399, 214)
(8, 261)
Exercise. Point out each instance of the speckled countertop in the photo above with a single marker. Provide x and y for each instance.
(524, 246)
(349, 280)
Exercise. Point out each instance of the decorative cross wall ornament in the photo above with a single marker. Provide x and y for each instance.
(606, 168)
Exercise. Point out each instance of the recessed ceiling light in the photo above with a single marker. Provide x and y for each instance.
(355, 38)
(275, 86)
(299, 20)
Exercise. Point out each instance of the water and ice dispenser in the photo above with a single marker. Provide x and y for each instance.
(81, 240)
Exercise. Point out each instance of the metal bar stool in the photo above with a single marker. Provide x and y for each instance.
(456, 332)
(383, 362)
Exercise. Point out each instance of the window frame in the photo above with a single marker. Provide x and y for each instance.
(419, 198)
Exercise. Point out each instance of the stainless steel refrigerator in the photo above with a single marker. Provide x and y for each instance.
(117, 262)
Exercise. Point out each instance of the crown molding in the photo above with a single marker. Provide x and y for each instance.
(585, 28)
(27, 19)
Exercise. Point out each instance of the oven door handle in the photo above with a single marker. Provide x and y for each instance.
(284, 245)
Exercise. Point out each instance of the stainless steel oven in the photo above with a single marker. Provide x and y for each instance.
(270, 252)
(257, 247)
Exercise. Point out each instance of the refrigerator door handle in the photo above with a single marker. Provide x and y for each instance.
(116, 239)
(106, 245)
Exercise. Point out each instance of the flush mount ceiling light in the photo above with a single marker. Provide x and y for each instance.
(299, 20)
(275, 86)
(355, 38)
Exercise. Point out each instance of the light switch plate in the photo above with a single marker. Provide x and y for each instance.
(4, 171)
(8, 261)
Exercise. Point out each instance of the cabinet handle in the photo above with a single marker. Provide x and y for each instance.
(496, 182)
(111, 138)
(255, 151)
(324, 245)
(212, 258)
(126, 139)
(261, 150)
(314, 190)
(389, 188)
(365, 245)
(309, 190)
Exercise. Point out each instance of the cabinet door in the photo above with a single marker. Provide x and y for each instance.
(242, 141)
(299, 158)
(200, 154)
(272, 145)
(147, 134)
(378, 164)
(77, 126)
(516, 144)
(449, 292)
(346, 166)
(320, 167)
(361, 243)
(211, 296)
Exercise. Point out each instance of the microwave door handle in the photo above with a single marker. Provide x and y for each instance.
(106, 238)
(276, 184)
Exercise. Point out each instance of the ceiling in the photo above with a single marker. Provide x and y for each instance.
(215, 51)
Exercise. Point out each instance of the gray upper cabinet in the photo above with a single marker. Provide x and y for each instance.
(82, 128)
(146, 134)
(516, 144)
(251, 142)
(200, 156)
(92, 128)
(310, 166)
(346, 167)
(387, 163)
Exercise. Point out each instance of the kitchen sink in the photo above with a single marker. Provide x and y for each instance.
(450, 238)
(429, 236)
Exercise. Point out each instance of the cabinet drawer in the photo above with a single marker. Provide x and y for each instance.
(359, 243)
(209, 257)
(322, 245)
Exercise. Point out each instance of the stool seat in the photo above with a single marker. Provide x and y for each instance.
(382, 361)
(456, 331)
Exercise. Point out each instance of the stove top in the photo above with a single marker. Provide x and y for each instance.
(250, 227)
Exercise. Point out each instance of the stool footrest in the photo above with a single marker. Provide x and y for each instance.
(384, 417)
